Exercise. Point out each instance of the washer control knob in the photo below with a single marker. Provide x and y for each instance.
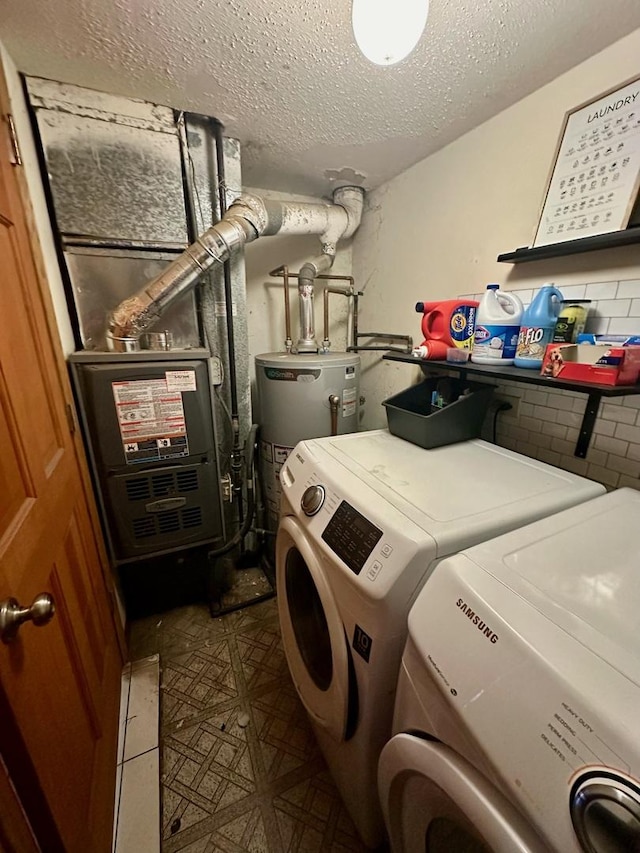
(312, 500)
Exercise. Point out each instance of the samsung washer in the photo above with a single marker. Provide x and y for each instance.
(364, 520)
(522, 673)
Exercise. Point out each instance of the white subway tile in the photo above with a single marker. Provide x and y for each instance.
(554, 430)
(604, 427)
(629, 289)
(628, 482)
(559, 445)
(613, 307)
(597, 325)
(628, 433)
(540, 439)
(572, 419)
(527, 449)
(623, 465)
(574, 464)
(603, 475)
(634, 311)
(601, 290)
(538, 398)
(548, 456)
(634, 452)
(545, 413)
(611, 445)
(618, 413)
(573, 291)
(532, 424)
(624, 326)
(632, 401)
(579, 404)
(560, 401)
(525, 295)
(526, 409)
(598, 457)
(572, 434)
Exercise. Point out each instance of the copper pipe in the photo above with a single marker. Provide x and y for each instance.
(283, 272)
(344, 292)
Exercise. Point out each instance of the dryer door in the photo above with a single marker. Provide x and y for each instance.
(436, 802)
(312, 630)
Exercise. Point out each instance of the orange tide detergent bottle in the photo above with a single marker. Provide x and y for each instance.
(451, 322)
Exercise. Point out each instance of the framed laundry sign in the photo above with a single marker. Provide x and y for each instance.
(595, 178)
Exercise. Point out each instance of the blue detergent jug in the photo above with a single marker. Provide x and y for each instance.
(536, 329)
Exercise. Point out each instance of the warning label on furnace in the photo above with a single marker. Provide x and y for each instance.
(151, 420)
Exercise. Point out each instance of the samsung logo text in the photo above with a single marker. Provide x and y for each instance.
(477, 621)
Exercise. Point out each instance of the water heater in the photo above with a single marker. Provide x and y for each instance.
(300, 397)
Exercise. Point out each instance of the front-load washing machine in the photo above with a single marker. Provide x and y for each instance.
(518, 699)
(364, 519)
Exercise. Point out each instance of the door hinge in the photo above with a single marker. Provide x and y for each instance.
(16, 159)
(70, 418)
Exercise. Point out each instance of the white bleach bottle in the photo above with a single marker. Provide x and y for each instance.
(497, 326)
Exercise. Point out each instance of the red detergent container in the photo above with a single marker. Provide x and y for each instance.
(451, 321)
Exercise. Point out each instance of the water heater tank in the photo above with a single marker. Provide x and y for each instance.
(294, 399)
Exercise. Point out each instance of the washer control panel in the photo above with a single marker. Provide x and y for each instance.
(351, 536)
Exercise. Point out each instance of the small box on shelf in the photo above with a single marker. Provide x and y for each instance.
(601, 364)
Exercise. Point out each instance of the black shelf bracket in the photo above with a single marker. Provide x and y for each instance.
(588, 422)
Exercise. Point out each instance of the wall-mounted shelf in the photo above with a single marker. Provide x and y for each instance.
(531, 377)
(572, 247)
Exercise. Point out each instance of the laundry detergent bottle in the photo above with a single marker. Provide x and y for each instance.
(497, 326)
(451, 321)
(536, 330)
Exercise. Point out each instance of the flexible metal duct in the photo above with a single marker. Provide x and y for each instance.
(247, 218)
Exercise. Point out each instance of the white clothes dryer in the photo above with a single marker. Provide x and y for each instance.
(520, 688)
(365, 517)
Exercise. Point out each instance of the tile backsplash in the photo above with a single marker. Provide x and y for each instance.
(544, 424)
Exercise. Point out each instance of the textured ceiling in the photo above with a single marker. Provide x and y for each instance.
(286, 78)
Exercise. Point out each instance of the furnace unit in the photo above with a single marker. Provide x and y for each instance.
(149, 426)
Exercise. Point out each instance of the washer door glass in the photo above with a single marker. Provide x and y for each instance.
(312, 629)
(308, 619)
(434, 801)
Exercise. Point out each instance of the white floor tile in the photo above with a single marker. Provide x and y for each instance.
(139, 814)
(117, 804)
(143, 710)
(124, 707)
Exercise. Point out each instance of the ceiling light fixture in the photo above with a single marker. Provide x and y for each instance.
(388, 30)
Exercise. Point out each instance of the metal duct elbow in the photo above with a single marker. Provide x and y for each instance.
(242, 223)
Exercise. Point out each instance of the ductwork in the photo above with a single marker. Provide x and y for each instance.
(247, 218)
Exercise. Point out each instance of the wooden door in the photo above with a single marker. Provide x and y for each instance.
(59, 683)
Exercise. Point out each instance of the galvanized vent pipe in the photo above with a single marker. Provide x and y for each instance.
(247, 218)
